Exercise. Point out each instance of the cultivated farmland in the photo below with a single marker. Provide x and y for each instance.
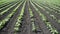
(29, 16)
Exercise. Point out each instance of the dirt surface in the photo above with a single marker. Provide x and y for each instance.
(10, 24)
(26, 24)
(8, 12)
(53, 22)
(39, 22)
(4, 7)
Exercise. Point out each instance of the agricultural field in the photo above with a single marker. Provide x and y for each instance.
(29, 16)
